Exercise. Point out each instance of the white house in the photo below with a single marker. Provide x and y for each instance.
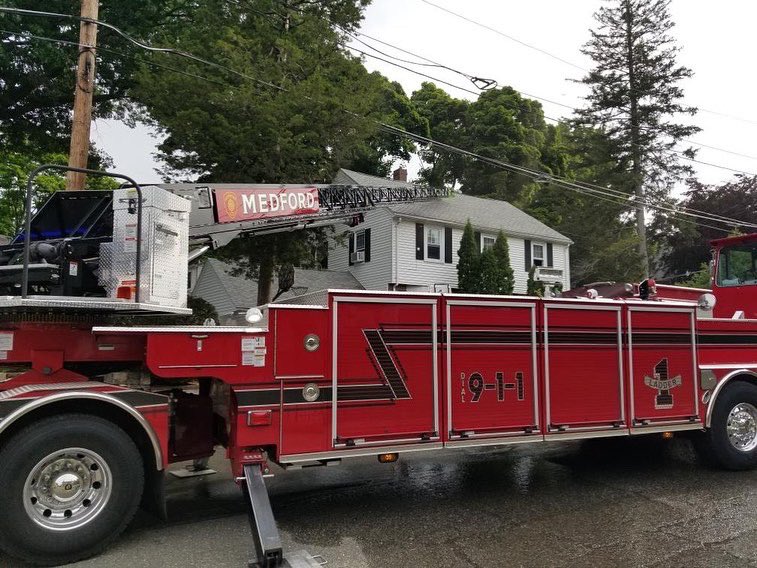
(413, 246)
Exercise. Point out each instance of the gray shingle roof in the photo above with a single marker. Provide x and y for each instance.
(223, 290)
(491, 214)
(350, 177)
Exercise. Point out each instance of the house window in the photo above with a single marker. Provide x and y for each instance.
(487, 242)
(360, 241)
(433, 243)
(537, 254)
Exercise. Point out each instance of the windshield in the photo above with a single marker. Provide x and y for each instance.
(737, 265)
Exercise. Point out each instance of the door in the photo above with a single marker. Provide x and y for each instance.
(662, 354)
(583, 367)
(385, 370)
(491, 369)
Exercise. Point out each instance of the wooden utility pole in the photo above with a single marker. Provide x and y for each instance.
(85, 86)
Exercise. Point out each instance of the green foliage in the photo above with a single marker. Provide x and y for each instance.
(534, 287)
(496, 274)
(605, 244)
(301, 123)
(38, 76)
(15, 167)
(699, 279)
(686, 241)
(484, 273)
(635, 94)
(501, 124)
(309, 115)
(468, 267)
(201, 310)
(446, 117)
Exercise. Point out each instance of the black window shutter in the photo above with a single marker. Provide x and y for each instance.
(448, 245)
(528, 255)
(549, 254)
(419, 241)
(352, 248)
(368, 245)
(477, 236)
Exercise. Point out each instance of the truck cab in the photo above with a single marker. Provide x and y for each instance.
(734, 280)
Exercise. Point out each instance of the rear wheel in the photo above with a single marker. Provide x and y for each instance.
(70, 484)
(731, 441)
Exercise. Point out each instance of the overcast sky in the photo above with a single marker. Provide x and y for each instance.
(717, 42)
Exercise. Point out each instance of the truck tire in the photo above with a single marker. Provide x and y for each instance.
(731, 441)
(70, 484)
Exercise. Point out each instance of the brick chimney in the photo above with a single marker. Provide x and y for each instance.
(400, 174)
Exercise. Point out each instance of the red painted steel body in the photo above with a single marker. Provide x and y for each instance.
(414, 372)
(368, 372)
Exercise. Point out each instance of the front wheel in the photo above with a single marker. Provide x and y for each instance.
(70, 485)
(731, 441)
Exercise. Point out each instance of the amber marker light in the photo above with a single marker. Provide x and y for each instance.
(667, 435)
(388, 458)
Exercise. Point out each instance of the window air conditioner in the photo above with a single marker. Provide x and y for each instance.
(358, 256)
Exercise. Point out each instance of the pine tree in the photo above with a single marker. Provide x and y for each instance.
(534, 287)
(635, 95)
(488, 273)
(468, 267)
(504, 281)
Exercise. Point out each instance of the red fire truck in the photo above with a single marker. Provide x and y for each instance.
(339, 374)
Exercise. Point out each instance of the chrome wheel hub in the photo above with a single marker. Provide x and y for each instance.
(67, 489)
(741, 427)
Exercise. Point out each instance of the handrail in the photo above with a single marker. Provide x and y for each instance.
(28, 219)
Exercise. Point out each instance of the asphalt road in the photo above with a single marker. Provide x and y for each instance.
(607, 503)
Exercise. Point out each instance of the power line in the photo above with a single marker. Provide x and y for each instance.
(109, 50)
(685, 157)
(472, 78)
(503, 34)
(560, 59)
(563, 182)
(523, 93)
(485, 84)
(534, 174)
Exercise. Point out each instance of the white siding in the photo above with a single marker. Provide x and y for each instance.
(560, 261)
(376, 274)
(397, 235)
(413, 272)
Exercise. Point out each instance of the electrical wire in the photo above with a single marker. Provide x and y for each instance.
(193, 57)
(109, 50)
(473, 79)
(560, 59)
(534, 174)
(503, 34)
(480, 82)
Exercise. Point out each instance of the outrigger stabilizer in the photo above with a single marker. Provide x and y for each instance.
(265, 534)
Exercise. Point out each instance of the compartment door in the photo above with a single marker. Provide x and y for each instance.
(583, 367)
(491, 369)
(385, 370)
(662, 354)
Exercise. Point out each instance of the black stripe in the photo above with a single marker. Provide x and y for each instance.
(667, 338)
(258, 397)
(139, 398)
(722, 339)
(294, 396)
(609, 338)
